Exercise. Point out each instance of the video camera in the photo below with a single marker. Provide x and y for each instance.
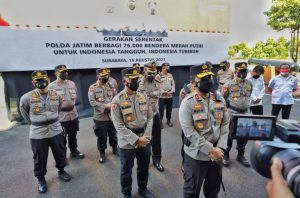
(287, 147)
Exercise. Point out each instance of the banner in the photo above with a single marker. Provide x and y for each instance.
(23, 50)
(112, 33)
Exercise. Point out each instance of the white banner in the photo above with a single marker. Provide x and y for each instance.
(32, 49)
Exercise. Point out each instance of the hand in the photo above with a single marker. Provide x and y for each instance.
(108, 106)
(216, 153)
(277, 187)
(143, 141)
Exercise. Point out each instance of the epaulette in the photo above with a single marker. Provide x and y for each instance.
(217, 96)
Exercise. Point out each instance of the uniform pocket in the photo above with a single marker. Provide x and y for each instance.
(128, 115)
(200, 120)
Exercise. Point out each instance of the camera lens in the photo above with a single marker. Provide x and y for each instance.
(291, 168)
(261, 155)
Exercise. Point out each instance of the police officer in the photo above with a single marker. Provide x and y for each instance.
(237, 94)
(151, 88)
(68, 115)
(133, 119)
(40, 108)
(205, 123)
(224, 74)
(113, 83)
(167, 85)
(100, 96)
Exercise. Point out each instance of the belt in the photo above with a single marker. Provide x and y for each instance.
(237, 109)
(44, 123)
(138, 131)
(188, 143)
(63, 110)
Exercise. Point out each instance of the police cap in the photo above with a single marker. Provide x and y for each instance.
(39, 74)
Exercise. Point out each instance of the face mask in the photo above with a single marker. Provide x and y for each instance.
(41, 84)
(284, 72)
(205, 85)
(256, 76)
(104, 80)
(150, 78)
(63, 75)
(133, 86)
(224, 68)
(131, 7)
(242, 75)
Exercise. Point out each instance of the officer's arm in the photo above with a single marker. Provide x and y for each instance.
(75, 87)
(25, 107)
(181, 95)
(92, 99)
(262, 91)
(173, 84)
(271, 85)
(225, 91)
(148, 130)
(224, 130)
(117, 119)
(295, 85)
(187, 125)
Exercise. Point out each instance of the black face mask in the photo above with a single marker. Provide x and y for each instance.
(63, 75)
(168, 70)
(133, 86)
(41, 84)
(242, 75)
(224, 68)
(205, 85)
(150, 78)
(256, 76)
(104, 80)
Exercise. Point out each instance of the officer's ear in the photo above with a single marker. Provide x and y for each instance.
(56, 73)
(124, 81)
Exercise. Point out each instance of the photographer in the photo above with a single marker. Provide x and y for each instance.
(277, 187)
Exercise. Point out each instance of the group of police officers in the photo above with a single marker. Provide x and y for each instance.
(132, 120)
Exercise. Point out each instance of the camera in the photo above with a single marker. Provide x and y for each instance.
(285, 145)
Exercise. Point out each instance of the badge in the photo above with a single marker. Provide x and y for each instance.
(200, 125)
(141, 99)
(225, 89)
(235, 99)
(197, 106)
(125, 103)
(37, 109)
(235, 95)
(129, 118)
